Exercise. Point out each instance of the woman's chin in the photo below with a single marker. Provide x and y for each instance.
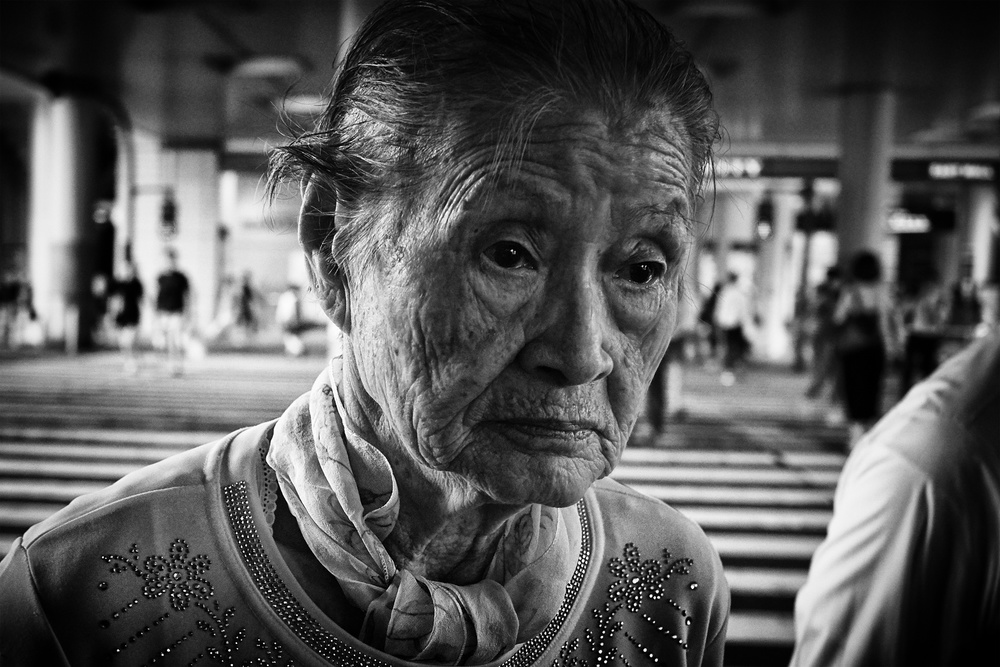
(546, 482)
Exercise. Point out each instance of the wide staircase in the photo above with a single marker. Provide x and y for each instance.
(754, 464)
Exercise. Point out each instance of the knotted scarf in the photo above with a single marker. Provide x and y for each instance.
(341, 491)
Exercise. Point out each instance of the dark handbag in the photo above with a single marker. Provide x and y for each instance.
(859, 330)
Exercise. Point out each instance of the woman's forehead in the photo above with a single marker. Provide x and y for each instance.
(576, 155)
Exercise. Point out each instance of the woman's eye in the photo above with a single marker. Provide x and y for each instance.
(510, 255)
(642, 273)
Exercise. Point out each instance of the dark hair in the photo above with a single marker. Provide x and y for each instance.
(866, 267)
(424, 78)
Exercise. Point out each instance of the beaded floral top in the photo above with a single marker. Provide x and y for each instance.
(175, 565)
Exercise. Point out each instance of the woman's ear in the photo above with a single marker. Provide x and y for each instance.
(317, 225)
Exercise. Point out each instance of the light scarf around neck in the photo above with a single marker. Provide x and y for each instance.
(341, 490)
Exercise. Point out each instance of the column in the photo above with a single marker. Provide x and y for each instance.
(981, 207)
(867, 120)
(778, 277)
(352, 13)
(866, 137)
(39, 272)
(194, 176)
(63, 192)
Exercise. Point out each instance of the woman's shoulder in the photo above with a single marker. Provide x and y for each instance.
(148, 547)
(654, 575)
(630, 517)
(157, 492)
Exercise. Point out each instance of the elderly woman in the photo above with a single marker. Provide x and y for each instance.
(496, 212)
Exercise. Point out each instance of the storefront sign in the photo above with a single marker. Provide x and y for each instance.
(902, 221)
(737, 167)
(943, 170)
(903, 169)
(960, 171)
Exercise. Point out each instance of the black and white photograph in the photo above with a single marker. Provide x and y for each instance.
(507, 333)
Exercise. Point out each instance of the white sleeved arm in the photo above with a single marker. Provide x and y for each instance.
(899, 577)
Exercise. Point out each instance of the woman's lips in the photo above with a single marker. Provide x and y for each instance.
(548, 432)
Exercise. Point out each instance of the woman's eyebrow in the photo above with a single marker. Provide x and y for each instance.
(666, 214)
(516, 191)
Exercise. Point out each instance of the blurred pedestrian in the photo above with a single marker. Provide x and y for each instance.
(707, 327)
(924, 318)
(220, 327)
(965, 308)
(127, 295)
(909, 572)
(10, 292)
(172, 301)
(866, 335)
(824, 336)
(288, 314)
(732, 317)
(247, 301)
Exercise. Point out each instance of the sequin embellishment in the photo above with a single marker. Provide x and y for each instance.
(179, 576)
(635, 582)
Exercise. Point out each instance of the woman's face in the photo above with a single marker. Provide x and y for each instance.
(511, 341)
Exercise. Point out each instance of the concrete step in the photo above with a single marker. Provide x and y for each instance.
(42, 436)
(54, 491)
(753, 519)
(74, 470)
(760, 627)
(715, 494)
(690, 456)
(764, 545)
(734, 476)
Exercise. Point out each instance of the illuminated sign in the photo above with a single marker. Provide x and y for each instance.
(902, 169)
(960, 171)
(738, 167)
(902, 221)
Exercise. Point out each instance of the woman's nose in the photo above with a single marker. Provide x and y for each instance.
(571, 349)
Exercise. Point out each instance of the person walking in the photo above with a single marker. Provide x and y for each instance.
(171, 308)
(866, 336)
(925, 319)
(732, 314)
(824, 337)
(247, 299)
(127, 292)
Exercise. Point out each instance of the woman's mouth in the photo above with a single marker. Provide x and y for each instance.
(543, 433)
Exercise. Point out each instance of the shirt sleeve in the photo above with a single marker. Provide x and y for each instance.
(879, 590)
(715, 649)
(26, 638)
(848, 611)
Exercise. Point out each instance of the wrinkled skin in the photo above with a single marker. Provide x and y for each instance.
(504, 357)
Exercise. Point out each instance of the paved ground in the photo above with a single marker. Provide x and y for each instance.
(755, 463)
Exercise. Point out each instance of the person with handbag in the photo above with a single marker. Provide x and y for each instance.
(865, 338)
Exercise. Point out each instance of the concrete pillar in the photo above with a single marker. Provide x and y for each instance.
(352, 13)
(194, 176)
(777, 288)
(733, 222)
(721, 221)
(866, 135)
(39, 273)
(866, 125)
(63, 193)
(981, 209)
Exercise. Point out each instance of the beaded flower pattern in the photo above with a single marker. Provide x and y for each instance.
(636, 580)
(179, 576)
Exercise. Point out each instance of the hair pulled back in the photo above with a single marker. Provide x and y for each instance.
(424, 79)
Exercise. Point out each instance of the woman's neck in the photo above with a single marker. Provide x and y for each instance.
(446, 530)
